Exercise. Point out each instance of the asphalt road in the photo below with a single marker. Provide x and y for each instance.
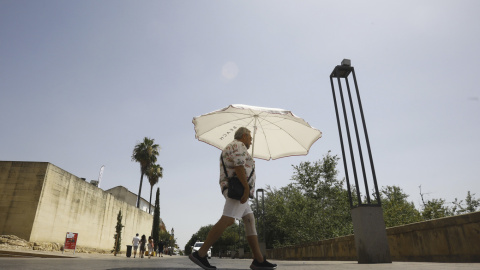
(38, 260)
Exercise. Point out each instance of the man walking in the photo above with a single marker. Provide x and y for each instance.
(160, 248)
(135, 242)
(237, 161)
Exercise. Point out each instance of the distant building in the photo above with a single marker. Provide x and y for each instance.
(40, 202)
(123, 194)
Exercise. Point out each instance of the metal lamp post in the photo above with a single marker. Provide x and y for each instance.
(263, 245)
(368, 224)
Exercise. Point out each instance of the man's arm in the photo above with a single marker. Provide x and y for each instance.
(240, 171)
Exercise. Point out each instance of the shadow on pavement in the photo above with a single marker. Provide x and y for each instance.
(19, 254)
(170, 268)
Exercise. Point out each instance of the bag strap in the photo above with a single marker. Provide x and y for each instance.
(225, 169)
(251, 173)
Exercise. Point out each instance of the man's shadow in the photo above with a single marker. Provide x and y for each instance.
(170, 268)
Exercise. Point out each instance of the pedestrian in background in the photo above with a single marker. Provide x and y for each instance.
(143, 242)
(160, 248)
(135, 242)
(150, 246)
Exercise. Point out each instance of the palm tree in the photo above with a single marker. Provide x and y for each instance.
(154, 172)
(146, 154)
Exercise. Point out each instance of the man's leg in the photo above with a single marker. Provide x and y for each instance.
(259, 262)
(215, 233)
(253, 243)
(251, 232)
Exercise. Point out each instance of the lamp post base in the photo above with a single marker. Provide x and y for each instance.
(370, 234)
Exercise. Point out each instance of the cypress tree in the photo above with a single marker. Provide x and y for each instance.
(156, 220)
(118, 233)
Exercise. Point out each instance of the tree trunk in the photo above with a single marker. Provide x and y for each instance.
(150, 203)
(140, 191)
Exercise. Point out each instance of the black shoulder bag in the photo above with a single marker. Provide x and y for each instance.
(235, 187)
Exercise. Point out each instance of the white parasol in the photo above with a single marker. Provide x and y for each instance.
(277, 133)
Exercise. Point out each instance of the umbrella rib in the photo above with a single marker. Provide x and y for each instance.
(264, 119)
(247, 116)
(266, 141)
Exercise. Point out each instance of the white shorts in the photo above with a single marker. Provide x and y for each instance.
(235, 209)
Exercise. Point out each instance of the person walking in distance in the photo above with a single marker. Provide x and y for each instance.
(239, 162)
(135, 242)
(160, 248)
(143, 241)
(150, 246)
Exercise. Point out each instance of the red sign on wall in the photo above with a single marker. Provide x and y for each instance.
(70, 241)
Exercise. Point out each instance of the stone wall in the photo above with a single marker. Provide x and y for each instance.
(125, 195)
(41, 202)
(451, 239)
(20, 188)
(336, 249)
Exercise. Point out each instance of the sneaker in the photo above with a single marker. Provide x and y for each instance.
(265, 265)
(202, 262)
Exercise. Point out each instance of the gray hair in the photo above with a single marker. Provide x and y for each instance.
(239, 133)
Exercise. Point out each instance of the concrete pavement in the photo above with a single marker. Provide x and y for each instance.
(55, 260)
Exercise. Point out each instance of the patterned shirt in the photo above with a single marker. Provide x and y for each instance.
(236, 154)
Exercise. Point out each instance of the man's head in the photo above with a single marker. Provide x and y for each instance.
(137, 234)
(243, 134)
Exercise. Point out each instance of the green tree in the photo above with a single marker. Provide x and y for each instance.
(396, 209)
(199, 236)
(435, 208)
(146, 154)
(313, 208)
(188, 249)
(286, 218)
(165, 237)
(327, 197)
(471, 204)
(230, 239)
(202, 233)
(156, 220)
(318, 178)
(154, 172)
(168, 239)
(118, 233)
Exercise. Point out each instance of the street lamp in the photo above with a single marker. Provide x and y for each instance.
(263, 244)
(342, 72)
(371, 240)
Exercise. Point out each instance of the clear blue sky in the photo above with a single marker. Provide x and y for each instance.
(81, 82)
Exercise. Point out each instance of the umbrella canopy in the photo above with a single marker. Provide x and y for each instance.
(277, 133)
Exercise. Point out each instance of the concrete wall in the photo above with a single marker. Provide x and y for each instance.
(20, 188)
(452, 239)
(123, 194)
(55, 202)
(336, 249)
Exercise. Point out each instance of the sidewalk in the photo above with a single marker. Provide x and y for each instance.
(342, 265)
(55, 260)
